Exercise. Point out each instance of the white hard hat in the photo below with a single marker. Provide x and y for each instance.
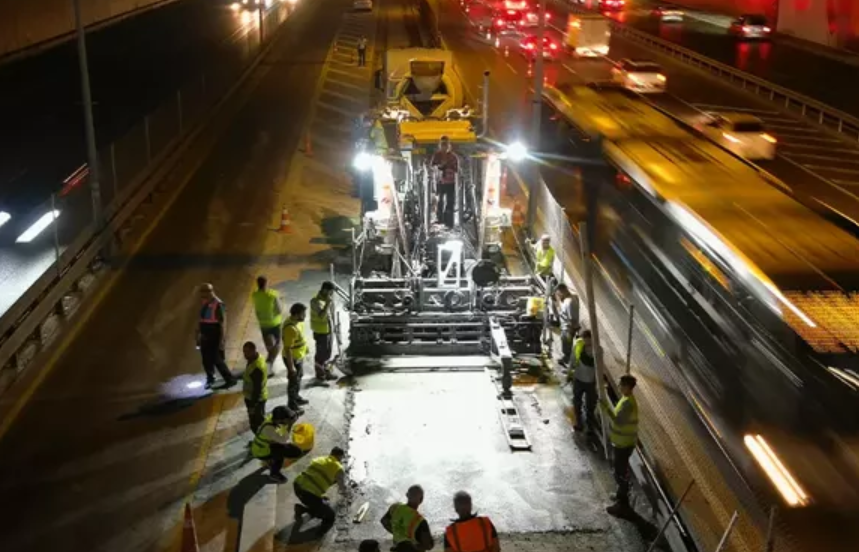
(545, 237)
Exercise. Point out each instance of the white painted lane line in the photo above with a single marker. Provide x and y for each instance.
(343, 83)
(805, 138)
(712, 107)
(570, 69)
(823, 158)
(830, 169)
(342, 96)
(355, 74)
(507, 63)
(339, 110)
(845, 182)
(811, 147)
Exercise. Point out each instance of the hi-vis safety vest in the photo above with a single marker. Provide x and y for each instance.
(209, 311)
(298, 345)
(265, 301)
(261, 447)
(247, 382)
(544, 258)
(319, 323)
(472, 535)
(320, 475)
(404, 523)
(624, 433)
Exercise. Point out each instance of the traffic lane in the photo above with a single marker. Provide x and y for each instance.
(109, 440)
(135, 65)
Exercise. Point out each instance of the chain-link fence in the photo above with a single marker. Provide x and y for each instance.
(674, 440)
(37, 247)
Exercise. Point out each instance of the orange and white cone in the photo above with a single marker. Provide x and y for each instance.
(189, 532)
(285, 221)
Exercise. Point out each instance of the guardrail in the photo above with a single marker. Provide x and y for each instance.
(817, 112)
(131, 169)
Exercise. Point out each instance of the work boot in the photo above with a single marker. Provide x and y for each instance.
(331, 376)
(301, 401)
(277, 477)
(618, 509)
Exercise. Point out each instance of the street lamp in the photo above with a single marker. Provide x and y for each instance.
(89, 124)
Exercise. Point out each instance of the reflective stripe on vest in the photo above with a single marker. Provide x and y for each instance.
(625, 435)
(473, 535)
(404, 523)
(319, 323)
(248, 385)
(264, 305)
(319, 476)
(299, 346)
(261, 447)
(209, 312)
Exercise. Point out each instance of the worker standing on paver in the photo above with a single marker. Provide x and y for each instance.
(294, 353)
(362, 51)
(312, 484)
(447, 163)
(409, 528)
(211, 337)
(544, 257)
(271, 442)
(583, 374)
(321, 309)
(568, 315)
(255, 385)
(623, 433)
(470, 532)
(269, 311)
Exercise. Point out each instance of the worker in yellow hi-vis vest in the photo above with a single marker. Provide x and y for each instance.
(269, 311)
(623, 434)
(408, 527)
(321, 313)
(312, 484)
(294, 352)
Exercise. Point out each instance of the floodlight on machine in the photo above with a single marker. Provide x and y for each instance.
(516, 152)
(38, 226)
(363, 162)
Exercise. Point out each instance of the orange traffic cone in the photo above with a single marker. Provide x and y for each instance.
(285, 221)
(189, 532)
(308, 145)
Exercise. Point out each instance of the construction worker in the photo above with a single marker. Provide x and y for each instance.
(269, 315)
(255, 380)
(583, 374)
(409, 528)
(470, 532)
(312, 484)
(567, 305)
(623, 434)
(321, 308)
(294, 352)
(447, 163)
(211, 337)
(362, 51)
(544, 257)
(271, 442)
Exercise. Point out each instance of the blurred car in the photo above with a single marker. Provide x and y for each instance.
(668, 14)
(739, 133)
(532, 18)
(644, 77)
(611, 5)
(519, 5)
(362, 5)
(507, 22)
(528, 47)
(750, 27)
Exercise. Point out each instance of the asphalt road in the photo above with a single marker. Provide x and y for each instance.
(512, 78)
(135, 65)
(113, 434)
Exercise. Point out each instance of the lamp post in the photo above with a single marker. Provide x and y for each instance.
(89, 124)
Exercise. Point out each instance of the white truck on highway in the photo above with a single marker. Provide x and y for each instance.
(588, 35)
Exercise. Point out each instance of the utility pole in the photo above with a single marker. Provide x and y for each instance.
(89, 123)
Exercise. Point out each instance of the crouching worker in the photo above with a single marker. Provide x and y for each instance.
(312, 484)
(271, 443)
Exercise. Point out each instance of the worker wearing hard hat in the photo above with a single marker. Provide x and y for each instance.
(409, 528)
(447, 164)
(544, 256)
(469, 532)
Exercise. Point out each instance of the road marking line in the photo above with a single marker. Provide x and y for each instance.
(805, 138)
(339, 110)
(342, 96)
(351, 75)
(809, 170)
(845, 182)
(712, 107)
(817, 148)
(507, 63)
(832, 169)
(834, 210)
(346, 84)
(570, 69)
(824, 158)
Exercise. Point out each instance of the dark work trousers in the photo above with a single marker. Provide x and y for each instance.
(256, 413)
(567, 344)
(322, 354)
(446, 204)
(362, 57)
(621, 473)
(317, 507)
(279, 453)
(213, 358)
(585, 403)
(293, 385)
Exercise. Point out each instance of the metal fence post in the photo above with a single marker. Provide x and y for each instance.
(148, 141)
(629, 338)
(670, 516)
(181, 119)
(728, 531)
(771, 530)
(56, 235)
(595, 333)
